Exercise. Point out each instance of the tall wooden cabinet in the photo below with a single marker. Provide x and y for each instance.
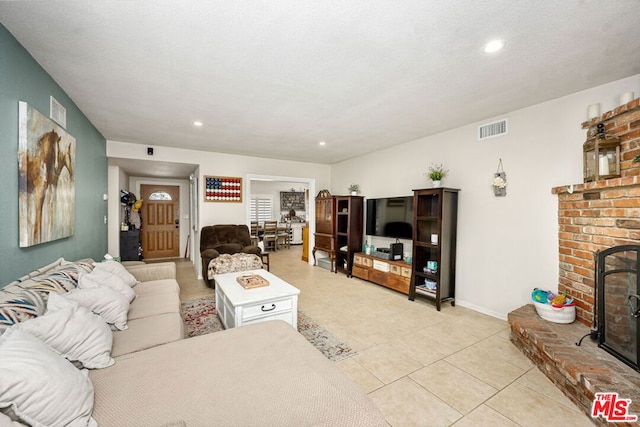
(348, 231)
(435, 219)
(325, 226)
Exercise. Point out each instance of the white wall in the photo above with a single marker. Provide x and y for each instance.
(114, 178)
(220, 164)
(506, 245)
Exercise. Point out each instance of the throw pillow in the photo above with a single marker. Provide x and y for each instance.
(72, 331)
(118, 269)
(98, 278)
(19, 306)
(39, 386)
(104, 301)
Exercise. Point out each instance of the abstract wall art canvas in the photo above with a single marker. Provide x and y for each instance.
(46, 164)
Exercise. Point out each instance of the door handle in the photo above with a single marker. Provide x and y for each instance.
(177, 221)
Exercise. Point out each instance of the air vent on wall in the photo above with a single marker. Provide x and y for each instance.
(493, 129)
(57, 112)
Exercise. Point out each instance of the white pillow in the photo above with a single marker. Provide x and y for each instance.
(39, 386)
(5, 421)
(118, 269)
(72, 331)
(104, 301)
(98, 278)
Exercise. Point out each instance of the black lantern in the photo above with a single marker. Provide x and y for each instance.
(601, 156)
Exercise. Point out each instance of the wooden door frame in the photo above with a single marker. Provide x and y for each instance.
(172, 249)
(183, 184)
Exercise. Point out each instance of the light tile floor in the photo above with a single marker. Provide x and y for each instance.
(421, 367)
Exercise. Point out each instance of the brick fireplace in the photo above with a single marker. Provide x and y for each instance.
(592, 217)
(598, 215)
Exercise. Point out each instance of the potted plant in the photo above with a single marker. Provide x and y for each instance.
(354, 189)
(436, 173)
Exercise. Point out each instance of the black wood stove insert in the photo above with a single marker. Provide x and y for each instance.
(618, 302)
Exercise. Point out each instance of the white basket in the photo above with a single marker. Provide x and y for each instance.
(548, 312)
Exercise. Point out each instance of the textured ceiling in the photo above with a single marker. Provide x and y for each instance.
(272, 78)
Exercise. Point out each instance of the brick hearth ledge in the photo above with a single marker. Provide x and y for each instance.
(579, 372)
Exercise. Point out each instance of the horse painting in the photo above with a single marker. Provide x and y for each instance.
(46, 179)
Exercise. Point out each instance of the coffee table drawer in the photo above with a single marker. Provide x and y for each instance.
(267, 308)
(287, 316)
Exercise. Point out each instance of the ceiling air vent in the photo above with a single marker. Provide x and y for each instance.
(493, 129)
(57, 112)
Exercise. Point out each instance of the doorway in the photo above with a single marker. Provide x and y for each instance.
(160, 230)
(308, 183)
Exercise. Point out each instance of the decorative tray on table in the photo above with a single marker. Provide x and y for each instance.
(250, 281)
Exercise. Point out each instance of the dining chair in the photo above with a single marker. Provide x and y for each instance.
(284, 235)
(270, 236)
(255, 238)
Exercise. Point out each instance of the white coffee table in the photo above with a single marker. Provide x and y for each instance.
(237, 306)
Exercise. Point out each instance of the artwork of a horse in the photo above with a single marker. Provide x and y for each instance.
(46, 164)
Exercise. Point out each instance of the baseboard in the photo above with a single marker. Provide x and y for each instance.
(482, 310)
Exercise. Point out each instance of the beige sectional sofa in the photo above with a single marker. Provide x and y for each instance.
(264, 374)
(154, 316)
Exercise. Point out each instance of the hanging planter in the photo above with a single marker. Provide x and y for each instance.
(499, 183)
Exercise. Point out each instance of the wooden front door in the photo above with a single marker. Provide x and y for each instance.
(160, 231)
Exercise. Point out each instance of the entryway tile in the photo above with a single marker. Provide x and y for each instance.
(420, 348)
(524, 406)
(359, 375)
(505, 350)
(455, 387)
(486, 366)
(386, 363)
(536, 380)
(404, 403)
(483, 416)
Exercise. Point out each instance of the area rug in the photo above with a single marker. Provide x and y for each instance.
(200, 317)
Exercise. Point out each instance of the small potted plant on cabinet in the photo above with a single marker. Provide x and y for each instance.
(354, 189)
(436, 173)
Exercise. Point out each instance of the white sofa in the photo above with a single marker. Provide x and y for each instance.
(265, 374)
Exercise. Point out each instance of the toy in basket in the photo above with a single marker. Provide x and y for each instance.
(557, 308)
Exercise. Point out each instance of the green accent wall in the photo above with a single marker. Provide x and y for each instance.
(23, 79)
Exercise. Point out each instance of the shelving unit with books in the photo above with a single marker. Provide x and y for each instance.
(435, 212)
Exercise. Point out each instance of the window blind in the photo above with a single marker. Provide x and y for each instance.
(261, 209)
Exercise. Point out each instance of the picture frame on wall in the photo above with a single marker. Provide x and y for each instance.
(224, 189)
(292, 200)
(46, 182)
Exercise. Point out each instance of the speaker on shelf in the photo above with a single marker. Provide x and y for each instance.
(396, 251)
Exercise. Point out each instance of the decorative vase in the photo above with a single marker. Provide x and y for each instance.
(436, 184)
(354, 193)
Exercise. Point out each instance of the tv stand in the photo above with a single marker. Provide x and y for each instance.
(394, 275)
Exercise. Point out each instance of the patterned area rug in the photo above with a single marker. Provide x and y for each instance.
(200, 317)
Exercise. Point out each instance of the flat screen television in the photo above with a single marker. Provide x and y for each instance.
(390, 217)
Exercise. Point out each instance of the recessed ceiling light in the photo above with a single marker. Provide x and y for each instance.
(197, 124)
(322, 143)
(493, 46)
